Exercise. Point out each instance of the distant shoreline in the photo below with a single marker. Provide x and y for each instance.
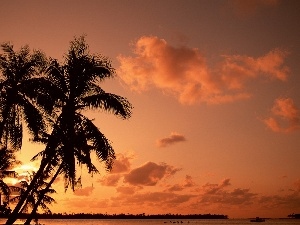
(124, 216)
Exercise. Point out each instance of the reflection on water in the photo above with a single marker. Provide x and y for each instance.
(159, 222)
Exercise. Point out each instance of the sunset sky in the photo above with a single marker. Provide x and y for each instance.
(215, 87)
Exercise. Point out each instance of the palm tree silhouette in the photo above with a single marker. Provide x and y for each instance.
(32, 200)
(25, 95)
(74, 136)
(7, 160)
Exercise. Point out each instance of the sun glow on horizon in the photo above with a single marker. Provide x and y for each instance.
(23, 173)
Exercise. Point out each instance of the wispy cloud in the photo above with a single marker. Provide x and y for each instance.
(184, 72)
(110, 180)
(187, 183)
(285, 116)
(185, 196)
(121, 164)
(86, 191)
(154, 199)
(170, 140)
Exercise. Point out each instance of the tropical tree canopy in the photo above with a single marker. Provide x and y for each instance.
(76, 136)
(7, 161)
(32, 200)
(25, 95)
(64, 92)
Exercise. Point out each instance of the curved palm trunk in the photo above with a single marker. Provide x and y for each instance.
(14, 215)
(34, 210)
(39, 174)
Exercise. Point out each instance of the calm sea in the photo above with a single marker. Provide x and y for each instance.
(162, 222)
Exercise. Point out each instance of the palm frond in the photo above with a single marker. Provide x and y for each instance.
(7, 160)
(100, 143)
(15, 199)
(33, 117)
(116, 104)
(41, 91)
(4, 188)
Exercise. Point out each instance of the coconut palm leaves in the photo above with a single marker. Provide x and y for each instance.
(73, 88)
(78, 79)
(7, 160)
(33, 199)
(24, 93)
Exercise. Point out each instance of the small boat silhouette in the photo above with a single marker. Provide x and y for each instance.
(257, 219)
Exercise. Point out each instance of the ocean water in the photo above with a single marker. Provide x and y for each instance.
(159, 222)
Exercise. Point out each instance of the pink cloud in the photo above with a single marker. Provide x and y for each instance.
(149, 174)
(188, 182)
(121, 164)
(170, 140)
(84, 191)
(285, 116)
(236, 70)
(210, 196)
(289, 201)
(219, 195)
(127, 190)
(184, 72)
(215, 188)
(154, 199)
(110, 180)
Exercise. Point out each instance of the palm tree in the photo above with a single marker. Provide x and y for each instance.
(23, 94)
(7, 160)
(33, 199)
(74, 136)
(78, 79)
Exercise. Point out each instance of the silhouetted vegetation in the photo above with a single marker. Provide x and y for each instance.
(50, 98)
(125, 216)
(7, 160)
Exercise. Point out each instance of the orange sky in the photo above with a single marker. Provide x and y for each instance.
(215, 89)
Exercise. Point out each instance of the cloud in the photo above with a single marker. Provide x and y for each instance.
(110, 180)
(285, 116)
(121, 164)
(237, 196)
(215, 188)
(236, 70)
(290, 200)
(249, 7)
(154, 199)
(184, 72)
(211, 197)
(218, 195)
(149, 174)
(127, 190)
(84, 191)
(172, 139)
(188, 182)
